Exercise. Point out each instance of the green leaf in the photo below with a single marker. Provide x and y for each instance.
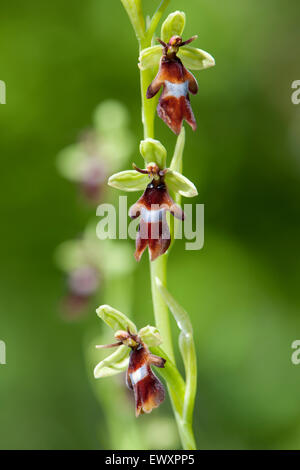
(150, 335)
(129, 180)
(195, 59)
(180, 184)
(115, 319)
(187, 349)
(173, 26)
(135, 13)
(114, 364)
(149, 58)
(173, 378)
(153, 152)
(180, 315)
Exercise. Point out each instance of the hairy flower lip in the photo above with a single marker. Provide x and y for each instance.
(153, 229)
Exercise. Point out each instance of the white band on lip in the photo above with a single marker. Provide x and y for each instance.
(176, 89)
(138, 375)
(154, 215)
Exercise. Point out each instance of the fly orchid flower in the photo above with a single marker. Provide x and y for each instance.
(156, 180)
(87, 264)
(177, 82)
(133, 355)
(98, 150)
(174, 102)
(152, 207)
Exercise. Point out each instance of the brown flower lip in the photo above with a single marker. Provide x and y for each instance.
(148, 390)
(153, 230)
(174, 103)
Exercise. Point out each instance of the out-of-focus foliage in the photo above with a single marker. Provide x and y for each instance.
(242, 290)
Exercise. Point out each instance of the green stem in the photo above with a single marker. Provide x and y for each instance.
(181, 394)
(158, 269)
(156, 18)
(148, 106)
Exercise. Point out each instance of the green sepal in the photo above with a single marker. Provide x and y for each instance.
(180, 184)
(149, 58)
(115, 319)
(150, 335)
(128, 180)
(173, 26)
(195, 59)
(114, 364)
(153, 152)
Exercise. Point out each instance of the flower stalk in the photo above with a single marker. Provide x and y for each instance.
(174, 107)
(158, 268)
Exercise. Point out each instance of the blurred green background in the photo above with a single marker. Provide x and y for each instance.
(59, 60)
